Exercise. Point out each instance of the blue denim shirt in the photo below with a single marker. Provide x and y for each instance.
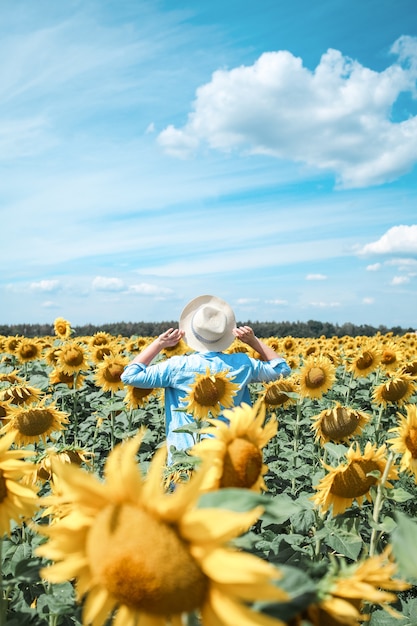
(177, 373)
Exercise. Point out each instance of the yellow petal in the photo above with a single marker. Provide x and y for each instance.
(233, 613)
(203, 526)
(232, 567)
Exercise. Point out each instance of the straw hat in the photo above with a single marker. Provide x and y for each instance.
(208, 322)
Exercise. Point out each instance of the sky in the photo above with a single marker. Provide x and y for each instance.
(152, 151)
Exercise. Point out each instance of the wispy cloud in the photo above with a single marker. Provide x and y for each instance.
(316, 277)
(106, 283)
(45, 285)
(400, 280)
(374, 267)
(343, 108)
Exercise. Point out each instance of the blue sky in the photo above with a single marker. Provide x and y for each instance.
(261, 151)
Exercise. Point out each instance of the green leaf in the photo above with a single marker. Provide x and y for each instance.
(404, 545)
(336, 450)
(398, 494)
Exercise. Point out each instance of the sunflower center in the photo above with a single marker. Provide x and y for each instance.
(73, 357)
(3, 487)
(208, 392)
(315, 378)
(353, 482)
(27, 352)
(365, 360)
(34, 422)
(144, 563)
(242, 464)
(339, 423)
(411, 442)
(388, 357)
(395, 390)
(113, 372)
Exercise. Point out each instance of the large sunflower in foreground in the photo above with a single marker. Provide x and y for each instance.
(339, 423)
(352, 480)
(17, 501)
(405, 440)
(316, 376)
(346, 592)
(396, 390)
(209, 394)
(234, 450)
(146, 556)
(34, 422)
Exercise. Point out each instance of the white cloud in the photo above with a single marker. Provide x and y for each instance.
(104, 283)
(49, 304)
(45, 285)
(247, 300)
(368, 300)
(316, 277)
(374, 267)
(325, 305)
(277, 302)
(342, 107)
(398, 239)
(147, 289)
(400, 280)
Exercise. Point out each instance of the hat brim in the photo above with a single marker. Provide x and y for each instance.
(185, 324)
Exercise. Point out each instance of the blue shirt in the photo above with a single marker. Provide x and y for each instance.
(177, 373)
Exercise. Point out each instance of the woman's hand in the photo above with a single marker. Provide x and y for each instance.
(170, 337)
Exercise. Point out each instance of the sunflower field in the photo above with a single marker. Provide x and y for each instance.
(300, 511)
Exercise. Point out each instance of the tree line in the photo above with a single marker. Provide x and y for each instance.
(311, 328)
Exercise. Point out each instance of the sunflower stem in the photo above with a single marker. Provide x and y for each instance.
(296, 442)
(378, 423)
(74, 409)
(379, 500)
(3, 599)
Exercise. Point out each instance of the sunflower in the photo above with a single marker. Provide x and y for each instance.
(62, 328)
(100, 339)
(396, 390)
(99, 353)
(409, 367)
(339, 423)
(67, 454)
(58, 376)
(137, 344)
(345, 592)
(28, 350)
(237, 346)
(352, 480)
(33, 423)
(209, 394)
(11, 343)
(276, 393)
(51, 355)
(109, 371)
(72, 357)
(136, 397)
(366, 361)
(317, 376)
(21, 394)
(17, 501)
(391, 357)
(405, 440)
(103, 542)
(234, 450)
